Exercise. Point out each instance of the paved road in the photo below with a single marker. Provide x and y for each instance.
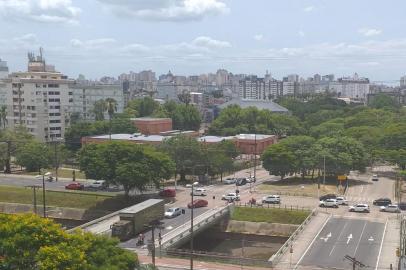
(359, 238)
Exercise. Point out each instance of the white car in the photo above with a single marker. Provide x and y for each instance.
(232, 196)
(393, 208)
(271, 199)
(99, 184)
(375, 177)
(173, 212)
(329, 203)
(199, 192)
(361, 207)
(341, 201)
(230, 181)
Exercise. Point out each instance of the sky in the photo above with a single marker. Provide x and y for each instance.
(109, 37)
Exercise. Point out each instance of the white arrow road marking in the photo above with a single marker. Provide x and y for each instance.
(370, 239)
(326, 238)
(349, 238)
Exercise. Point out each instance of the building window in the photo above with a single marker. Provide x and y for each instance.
(54, 121)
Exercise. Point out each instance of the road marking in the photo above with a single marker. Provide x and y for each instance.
(359, 241)
(342, 230)
(371, 239)
(314, 239)
(349, 238)
(380, 249)
(326, 238)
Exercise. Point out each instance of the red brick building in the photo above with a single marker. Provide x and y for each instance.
(152, 126)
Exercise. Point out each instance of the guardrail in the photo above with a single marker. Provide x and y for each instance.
(93, 222)
(279, 206)
(184, 230)
(277, 256)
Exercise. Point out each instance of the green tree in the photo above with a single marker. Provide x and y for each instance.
(142, 107)
(186, 152)
(132, 165)
(30, 242)
(3, 116)
(382, 101)
(185, 97)
(34, 156)
(279, 160)
(186, 117)
(99, 108)
(111, 108)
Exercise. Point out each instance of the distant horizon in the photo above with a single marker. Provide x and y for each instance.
(106, 38)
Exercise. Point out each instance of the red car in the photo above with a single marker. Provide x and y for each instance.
(169, 192)
(74, 186)
(198, 203)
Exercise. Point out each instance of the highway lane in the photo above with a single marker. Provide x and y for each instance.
(359, 238)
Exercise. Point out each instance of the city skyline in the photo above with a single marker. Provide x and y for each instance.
(97, 38)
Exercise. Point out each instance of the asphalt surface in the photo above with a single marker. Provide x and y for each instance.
(358, 238)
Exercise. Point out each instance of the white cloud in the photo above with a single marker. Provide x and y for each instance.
(259, 37)
(368, 32)
(210, 43)
(44, 11)
(166, 10)
(301, 33)
(308, 9)
(92, 43)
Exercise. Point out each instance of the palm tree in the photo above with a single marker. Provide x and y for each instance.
(111, 108)
(3, 116)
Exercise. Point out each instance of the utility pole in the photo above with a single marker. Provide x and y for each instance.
(191, 230)
(255, 156)
(8, 165)
(324, 169)
(354, 262)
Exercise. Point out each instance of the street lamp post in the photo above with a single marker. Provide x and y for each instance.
(42, 175)
(191, 226)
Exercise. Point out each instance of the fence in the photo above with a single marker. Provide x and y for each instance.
(271, 205)
(276, 257)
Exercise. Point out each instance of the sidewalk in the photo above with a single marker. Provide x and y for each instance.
(389, 244)
(174, 263)
(303, 241)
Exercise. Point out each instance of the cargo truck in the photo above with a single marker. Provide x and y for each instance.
(134, 219)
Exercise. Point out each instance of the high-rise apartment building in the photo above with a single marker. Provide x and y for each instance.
(39, 99)
(254, 88)
(351, 87)
(3, 69)
(403, 82)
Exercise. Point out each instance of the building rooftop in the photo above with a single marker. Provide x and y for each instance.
(260, 104)
(132, 137)
(150, 119)
(253, 136)
(214, 139)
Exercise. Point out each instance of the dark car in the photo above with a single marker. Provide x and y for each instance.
(382, 202)
(198, 203)
(169, 192)
(328, 196)
(74, 186)
(241, 182)
(402, 205)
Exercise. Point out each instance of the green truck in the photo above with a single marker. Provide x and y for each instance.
(134, 219)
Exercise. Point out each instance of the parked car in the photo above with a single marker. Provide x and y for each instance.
(361, 207)
(382, 202)
(341, 201)
(232, 196)
(329, 203)
(198, 203)
(328, 196)
(393, 208)
(375, 177)
(230, 181)
(271, 199)
(402, 206)
(168, 192)
(173, 212)
(98, 184)
(74, 186)
(197, 185)
(241, 182)
(199, 192)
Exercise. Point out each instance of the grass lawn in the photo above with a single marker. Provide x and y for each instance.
(297, 187)
(271, 215)
(61, 199)
(63, 173)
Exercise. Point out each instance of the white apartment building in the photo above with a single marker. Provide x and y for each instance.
(85, 96)
(355, 87)
(38, 99)
(252, 88)
(403, 82)
(3, 69)
(289, 88)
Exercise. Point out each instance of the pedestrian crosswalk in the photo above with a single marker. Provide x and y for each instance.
(356, 199)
